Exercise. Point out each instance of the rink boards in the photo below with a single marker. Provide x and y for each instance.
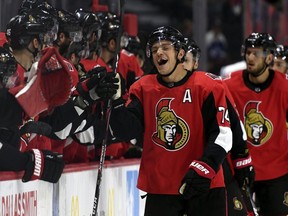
(73, 195)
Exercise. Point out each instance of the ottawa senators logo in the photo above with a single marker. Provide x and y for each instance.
(259, 129)
(172, 131)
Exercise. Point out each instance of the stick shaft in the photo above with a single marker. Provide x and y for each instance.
(107, 116)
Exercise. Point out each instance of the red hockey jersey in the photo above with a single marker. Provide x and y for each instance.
(263, 110)
(183, 121)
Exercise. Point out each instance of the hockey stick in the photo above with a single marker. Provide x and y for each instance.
(108, 114)
(249, 195)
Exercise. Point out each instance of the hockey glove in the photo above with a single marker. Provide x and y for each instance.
(86, 87)
(197, 180)
(133, 152)
(49, 84)
(44, 165)
(110, 87)
(244, 170)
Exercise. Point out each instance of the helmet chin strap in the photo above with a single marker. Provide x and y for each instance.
(34, 53)
(260, 71)
(166, 75)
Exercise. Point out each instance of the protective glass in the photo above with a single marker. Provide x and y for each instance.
(76, 36)
(85, 52)
(94, 29)
(51, 36)
(165, 46)
(257, 53)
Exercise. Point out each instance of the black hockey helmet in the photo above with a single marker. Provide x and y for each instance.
(45, 6)
(50, 22)
(89, 22)
(282, 52)
(132, 44)
(192, 47)
(27, 5)
(165, 33)
(80, 49)
(264, 40)
(21, 29)
(8, 68)
(110, 27)
(69, 24)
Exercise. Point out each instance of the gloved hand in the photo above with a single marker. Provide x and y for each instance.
(196, 181)
(44, 165)
(86, 87)
(244, 170)
(110, 87)
(50, 88)
(133, 152)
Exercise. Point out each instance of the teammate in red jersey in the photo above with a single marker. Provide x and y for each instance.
(263, 106)
(133, 45)
(127, 67)
(91, 26)
(25, 34)
(183, 119)
(239, 175)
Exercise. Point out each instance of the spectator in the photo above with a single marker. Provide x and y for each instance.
(216, 46)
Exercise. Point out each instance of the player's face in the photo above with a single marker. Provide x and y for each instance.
(190, 62)
(280, 65)
(255, 59)
(164, 56)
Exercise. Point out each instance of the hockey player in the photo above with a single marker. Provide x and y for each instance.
(25, 35)
(128, 68)
(36, 163)
(265, 124)
(74, 54)
(184, 121)
(280, 62)
(91, 26)
(68, 29)
(133, 45)
(244, 174)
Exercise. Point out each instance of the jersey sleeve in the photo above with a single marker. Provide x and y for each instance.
(67, 120)
(19, 161)
(218, 132)
(10, 111)
(239, 141)
(127, 121)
